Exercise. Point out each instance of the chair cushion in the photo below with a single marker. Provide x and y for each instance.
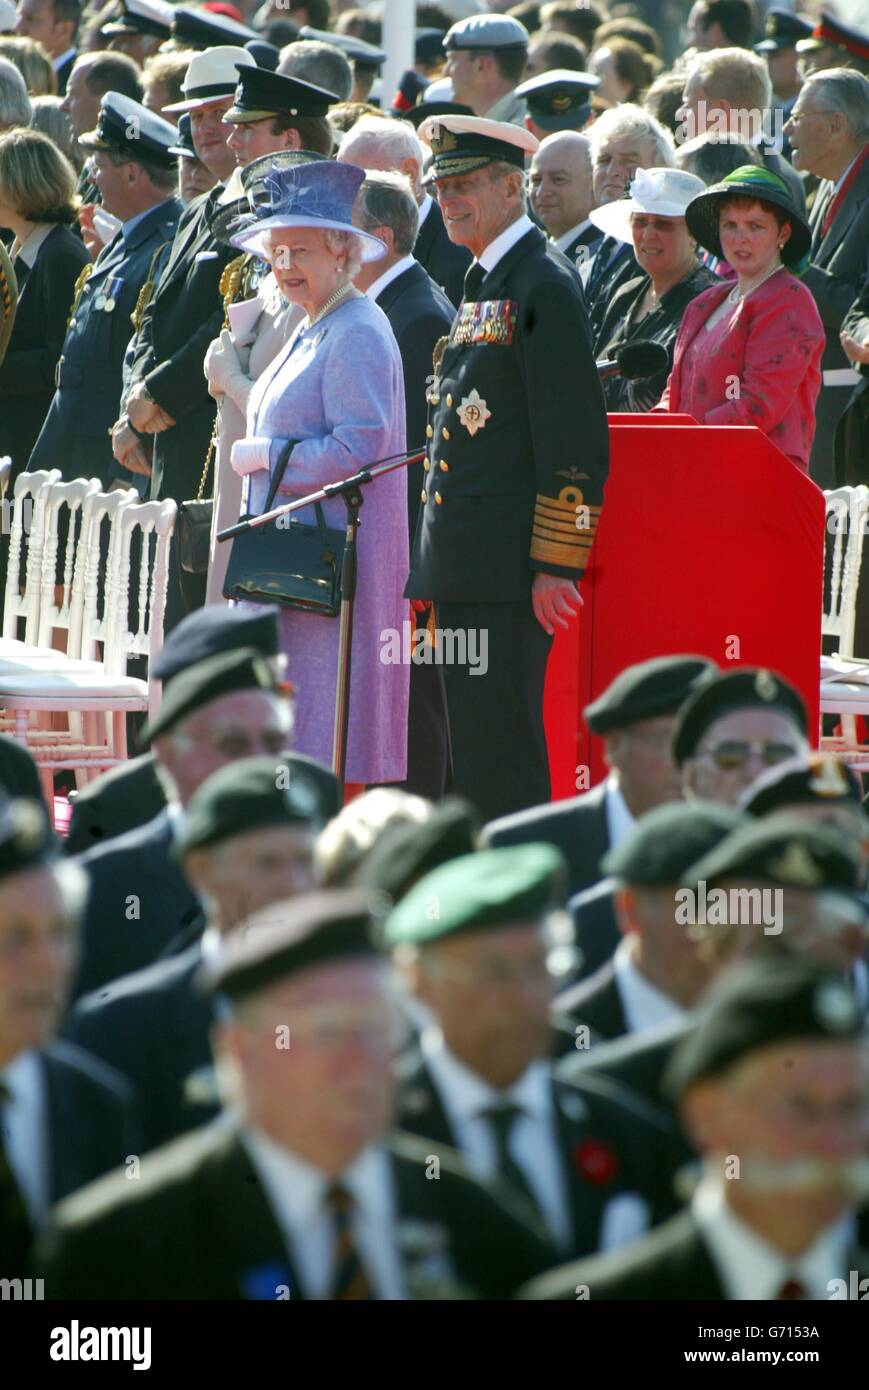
(75, 684)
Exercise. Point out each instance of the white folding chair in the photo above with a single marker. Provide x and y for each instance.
(108, 692)
(845, 676)
(23, 598)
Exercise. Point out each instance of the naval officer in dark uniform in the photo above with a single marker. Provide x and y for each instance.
(137, 175)
(516, 466)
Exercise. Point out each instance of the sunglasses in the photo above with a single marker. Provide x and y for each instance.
(735, 753)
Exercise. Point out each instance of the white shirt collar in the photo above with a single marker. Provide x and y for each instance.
(379, 285)
(20, 1074)
(425, 208)
(562, 242)
(297, 1189)
(64, 58)
(644, 1005)
(749, 1267)
(619, 820)
(468, 1094)
(497, 249)
(29, 249)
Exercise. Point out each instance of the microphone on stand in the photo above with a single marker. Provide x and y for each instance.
(633, 361)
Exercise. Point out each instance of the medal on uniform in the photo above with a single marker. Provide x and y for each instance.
(473, 412)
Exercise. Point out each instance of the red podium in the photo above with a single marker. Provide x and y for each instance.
(710, 541)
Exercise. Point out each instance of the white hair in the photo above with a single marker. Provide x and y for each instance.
(846, 92)
(15, 108)
(393, 141)
(627, 121)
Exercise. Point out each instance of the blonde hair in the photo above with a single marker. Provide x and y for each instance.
(39, 76)
(35, 178)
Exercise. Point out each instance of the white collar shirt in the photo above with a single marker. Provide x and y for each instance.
(425, 208)
(534, 1142)
(564, 241)
(749, 1267)
(644, 1005)
(24, 1119)
(296, 1191)
(30, 248)
(497, 249)
(376, 288)
(619, 821)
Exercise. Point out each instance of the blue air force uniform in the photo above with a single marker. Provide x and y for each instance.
(74, 436)
(515, 473)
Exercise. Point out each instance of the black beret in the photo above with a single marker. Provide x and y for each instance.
(406, 850)
(213, 629)
(783, 850)
(298, 934)
(821, 779)
(265, 55)
(26, 837)
(252, 794)
(185, 149)
(758, 1004)
(242, 669)
(645, 691)
(747, 688)
(668, 840)
(423, 109)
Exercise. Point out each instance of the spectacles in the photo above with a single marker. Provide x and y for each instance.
(796, 116)
(735, 753)
(237, 744)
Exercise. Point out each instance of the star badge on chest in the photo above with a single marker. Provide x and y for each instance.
(473, 412)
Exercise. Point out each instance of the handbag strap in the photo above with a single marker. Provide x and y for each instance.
(279, 472)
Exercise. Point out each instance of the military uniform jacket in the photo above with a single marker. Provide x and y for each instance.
(518, 447)
(87, 398)
(198, 1225)
(185, 313)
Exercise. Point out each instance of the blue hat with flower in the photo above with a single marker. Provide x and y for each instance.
(318, 194)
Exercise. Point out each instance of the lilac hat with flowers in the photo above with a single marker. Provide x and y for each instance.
(319, 194)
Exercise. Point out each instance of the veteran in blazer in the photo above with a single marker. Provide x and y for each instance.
(829, 133)
(136, 174)
(775, 1073)
(514, 485)
(308, 1196)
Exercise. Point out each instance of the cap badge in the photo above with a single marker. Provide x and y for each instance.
(834, 1007)
(765, 685)
(561, 103)
(443, 140)
(473, 412)
(796, 866)
(829, 779)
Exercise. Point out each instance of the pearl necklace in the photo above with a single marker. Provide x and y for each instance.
(734, 296)
(330, 303)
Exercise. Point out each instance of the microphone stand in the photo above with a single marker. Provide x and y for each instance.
(350, 489)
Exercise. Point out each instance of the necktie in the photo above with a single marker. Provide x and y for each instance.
(501, 1119)
(15, 1230)
(474, 277)
(349, 1280)
(791, 1291)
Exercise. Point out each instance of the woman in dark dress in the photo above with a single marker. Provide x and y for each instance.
(650, 306)
(38, 205)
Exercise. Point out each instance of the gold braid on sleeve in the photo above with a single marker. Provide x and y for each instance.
(83, 277)
(147, 289)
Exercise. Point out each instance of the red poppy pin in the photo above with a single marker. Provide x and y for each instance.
(594, 1161)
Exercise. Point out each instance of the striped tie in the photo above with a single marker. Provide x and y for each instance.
(349, 1279)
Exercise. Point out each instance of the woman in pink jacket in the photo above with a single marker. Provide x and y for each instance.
(748, 351)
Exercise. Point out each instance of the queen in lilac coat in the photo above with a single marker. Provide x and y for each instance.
(337, 388)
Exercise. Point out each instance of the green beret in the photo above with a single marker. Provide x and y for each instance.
(407, 850)
(821, 779)
(491, 888)
(668, 840)
(747, 688)
(758, 1004)
(286, 938)
(26, 837)
(783, 850)
(646, 691)
(251, 794)
(243, 668)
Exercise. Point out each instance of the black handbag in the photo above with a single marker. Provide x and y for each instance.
(193, 522)
(287, 562)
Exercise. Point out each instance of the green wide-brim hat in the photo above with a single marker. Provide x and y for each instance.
(750, 181)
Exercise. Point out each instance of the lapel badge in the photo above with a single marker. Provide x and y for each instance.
(473, 412)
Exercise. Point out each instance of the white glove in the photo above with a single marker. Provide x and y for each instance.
(250, 455)
(223, 368)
